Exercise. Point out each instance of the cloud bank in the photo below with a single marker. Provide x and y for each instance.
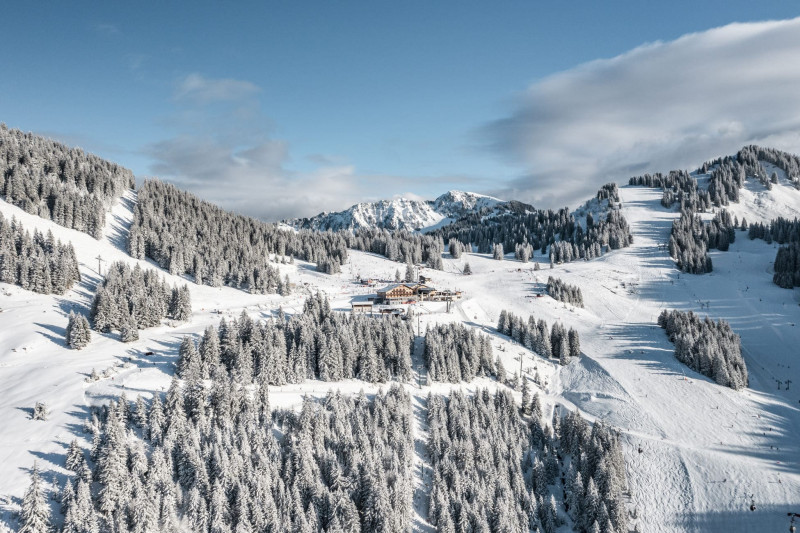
(223, 152)
(658, 107)
(208, 90)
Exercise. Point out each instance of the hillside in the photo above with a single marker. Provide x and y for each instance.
(400, 213)
(696, 454)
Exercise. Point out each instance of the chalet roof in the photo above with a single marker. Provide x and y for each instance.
(412, 286)
(390, 287)
(395, 285)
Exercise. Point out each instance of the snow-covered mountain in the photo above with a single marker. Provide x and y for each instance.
(400, 213)
(698, 455)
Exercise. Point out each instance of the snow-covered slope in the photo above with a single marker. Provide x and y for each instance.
(706, 450)
(400, 213)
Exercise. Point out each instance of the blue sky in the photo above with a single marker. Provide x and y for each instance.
(278, 109)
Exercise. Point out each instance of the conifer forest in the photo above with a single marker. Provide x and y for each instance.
(176, 359)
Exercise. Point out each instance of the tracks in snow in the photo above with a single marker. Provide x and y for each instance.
(422, 472)
(119, 220)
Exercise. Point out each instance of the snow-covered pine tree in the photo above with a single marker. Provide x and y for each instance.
(129, 330)
(497, 252)
(455, 249)
(40, 411)
(410, 277)
(35, 514)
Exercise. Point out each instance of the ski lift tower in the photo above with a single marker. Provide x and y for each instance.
(99, 260)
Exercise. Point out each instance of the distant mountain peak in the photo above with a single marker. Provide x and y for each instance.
(400, 213)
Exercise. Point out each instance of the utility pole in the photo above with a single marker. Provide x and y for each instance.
(792, 527)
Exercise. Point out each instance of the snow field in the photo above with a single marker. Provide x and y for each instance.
(705, 449)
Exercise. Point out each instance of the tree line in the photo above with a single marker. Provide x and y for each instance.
(708, 347)
(690, 239)
(186, 235)
(130, 299)
(37, 263)
(789, 163)
(564, 292)
(726, 175)
(496, 470)
(509, 225)
(786, 268)
(678, 186)
(534, 334)
(224, 462)
(399, 245)
(454, 352)
(316, 344)
(66, 185)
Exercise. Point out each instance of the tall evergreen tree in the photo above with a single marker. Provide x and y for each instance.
(35, 514)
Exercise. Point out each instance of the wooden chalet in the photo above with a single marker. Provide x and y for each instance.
(362, 308)
(444, 296)
(412, 292)
(398, 292)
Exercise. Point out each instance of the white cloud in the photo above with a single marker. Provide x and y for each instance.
(109, 30)
(660, 106)
(253, 179)
(202, 90)
(223, 152)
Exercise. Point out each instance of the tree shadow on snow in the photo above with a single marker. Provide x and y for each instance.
(650, 348)
(164, 353)
(59, 338)
(738, 518)
(775, 424)
(85, 290)
(27, 410)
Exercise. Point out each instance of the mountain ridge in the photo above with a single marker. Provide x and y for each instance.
(399, 213)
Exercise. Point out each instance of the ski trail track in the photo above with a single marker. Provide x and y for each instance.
(705, 449)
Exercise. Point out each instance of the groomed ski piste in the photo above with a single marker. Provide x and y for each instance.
(697, 454)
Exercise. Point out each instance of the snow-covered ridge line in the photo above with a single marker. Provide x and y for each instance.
(400, 213)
